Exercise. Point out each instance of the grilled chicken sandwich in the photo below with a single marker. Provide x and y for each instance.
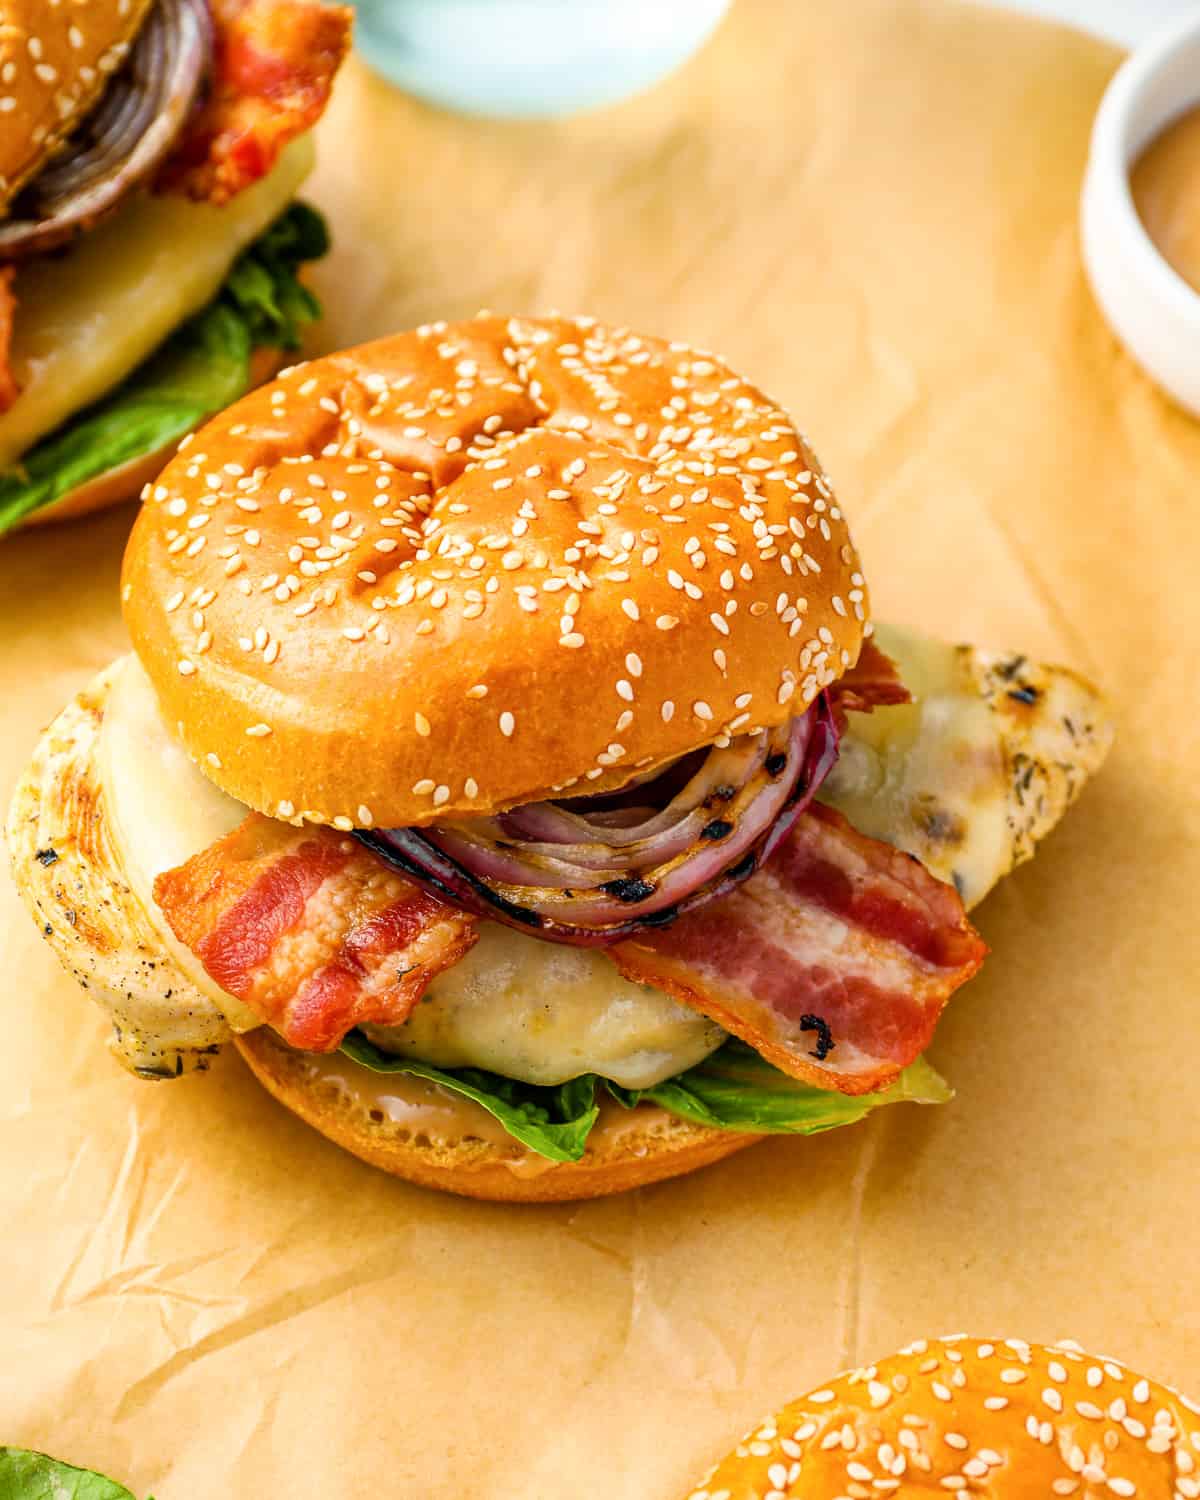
(506, 763)
(150, 151)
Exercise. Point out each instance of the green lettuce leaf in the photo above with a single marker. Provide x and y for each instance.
(734, 1089)
(25, 1475)
(554, 1122)
(198, 371)
(263, 283)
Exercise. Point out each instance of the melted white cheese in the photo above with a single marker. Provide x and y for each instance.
(162, 811)
(929, 776)
(543, 1013)
(87, 318)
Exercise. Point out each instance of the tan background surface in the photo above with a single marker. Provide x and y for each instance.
(870, 208)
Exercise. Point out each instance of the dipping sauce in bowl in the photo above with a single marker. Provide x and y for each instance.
(1166, 191)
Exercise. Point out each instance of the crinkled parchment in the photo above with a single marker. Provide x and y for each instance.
(871, 209)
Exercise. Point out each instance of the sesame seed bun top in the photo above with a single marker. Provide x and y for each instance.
(55, 61)
(479, 563)
(1000, 1418)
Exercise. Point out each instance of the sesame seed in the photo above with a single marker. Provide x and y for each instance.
(507, 724)
(441, 795)
(257, 731)
(421, 724)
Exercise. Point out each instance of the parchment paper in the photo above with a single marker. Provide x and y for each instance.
(870, 208)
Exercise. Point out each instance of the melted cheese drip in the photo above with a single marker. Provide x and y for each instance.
(929, 776)
(543, 1013)
(162, 812)
(86, 319)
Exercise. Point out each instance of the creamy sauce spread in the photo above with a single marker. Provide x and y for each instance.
(429, 1113)
(1166, 192)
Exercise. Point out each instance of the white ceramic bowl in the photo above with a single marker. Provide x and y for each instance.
(1152, 310)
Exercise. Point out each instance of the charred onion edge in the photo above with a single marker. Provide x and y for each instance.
(407, 850)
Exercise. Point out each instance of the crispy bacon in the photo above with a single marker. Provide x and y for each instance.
(274, 66)
(9, 390)
(834, 961)
(311, 931)
(872, 682)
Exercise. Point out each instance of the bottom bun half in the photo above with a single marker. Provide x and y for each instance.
(414, 1130)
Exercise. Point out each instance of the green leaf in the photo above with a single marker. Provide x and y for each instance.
(198, 371)
(736, 1089)
(203, 367)
(25, 1475)
(554, 1122)
(264, 286)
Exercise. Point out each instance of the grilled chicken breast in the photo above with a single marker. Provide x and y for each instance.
(969, 778)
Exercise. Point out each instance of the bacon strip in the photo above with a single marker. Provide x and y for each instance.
(9, 390)
(872, 682)
(310, 930)
(274, 67)
(834, 961)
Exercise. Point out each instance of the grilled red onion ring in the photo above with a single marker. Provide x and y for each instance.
(131, 130)
(590, 873)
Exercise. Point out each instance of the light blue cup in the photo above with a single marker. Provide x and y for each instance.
(530, 58)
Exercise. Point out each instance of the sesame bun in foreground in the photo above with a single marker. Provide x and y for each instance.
(407, 1128)
(481, 563)
(1000, 1418)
